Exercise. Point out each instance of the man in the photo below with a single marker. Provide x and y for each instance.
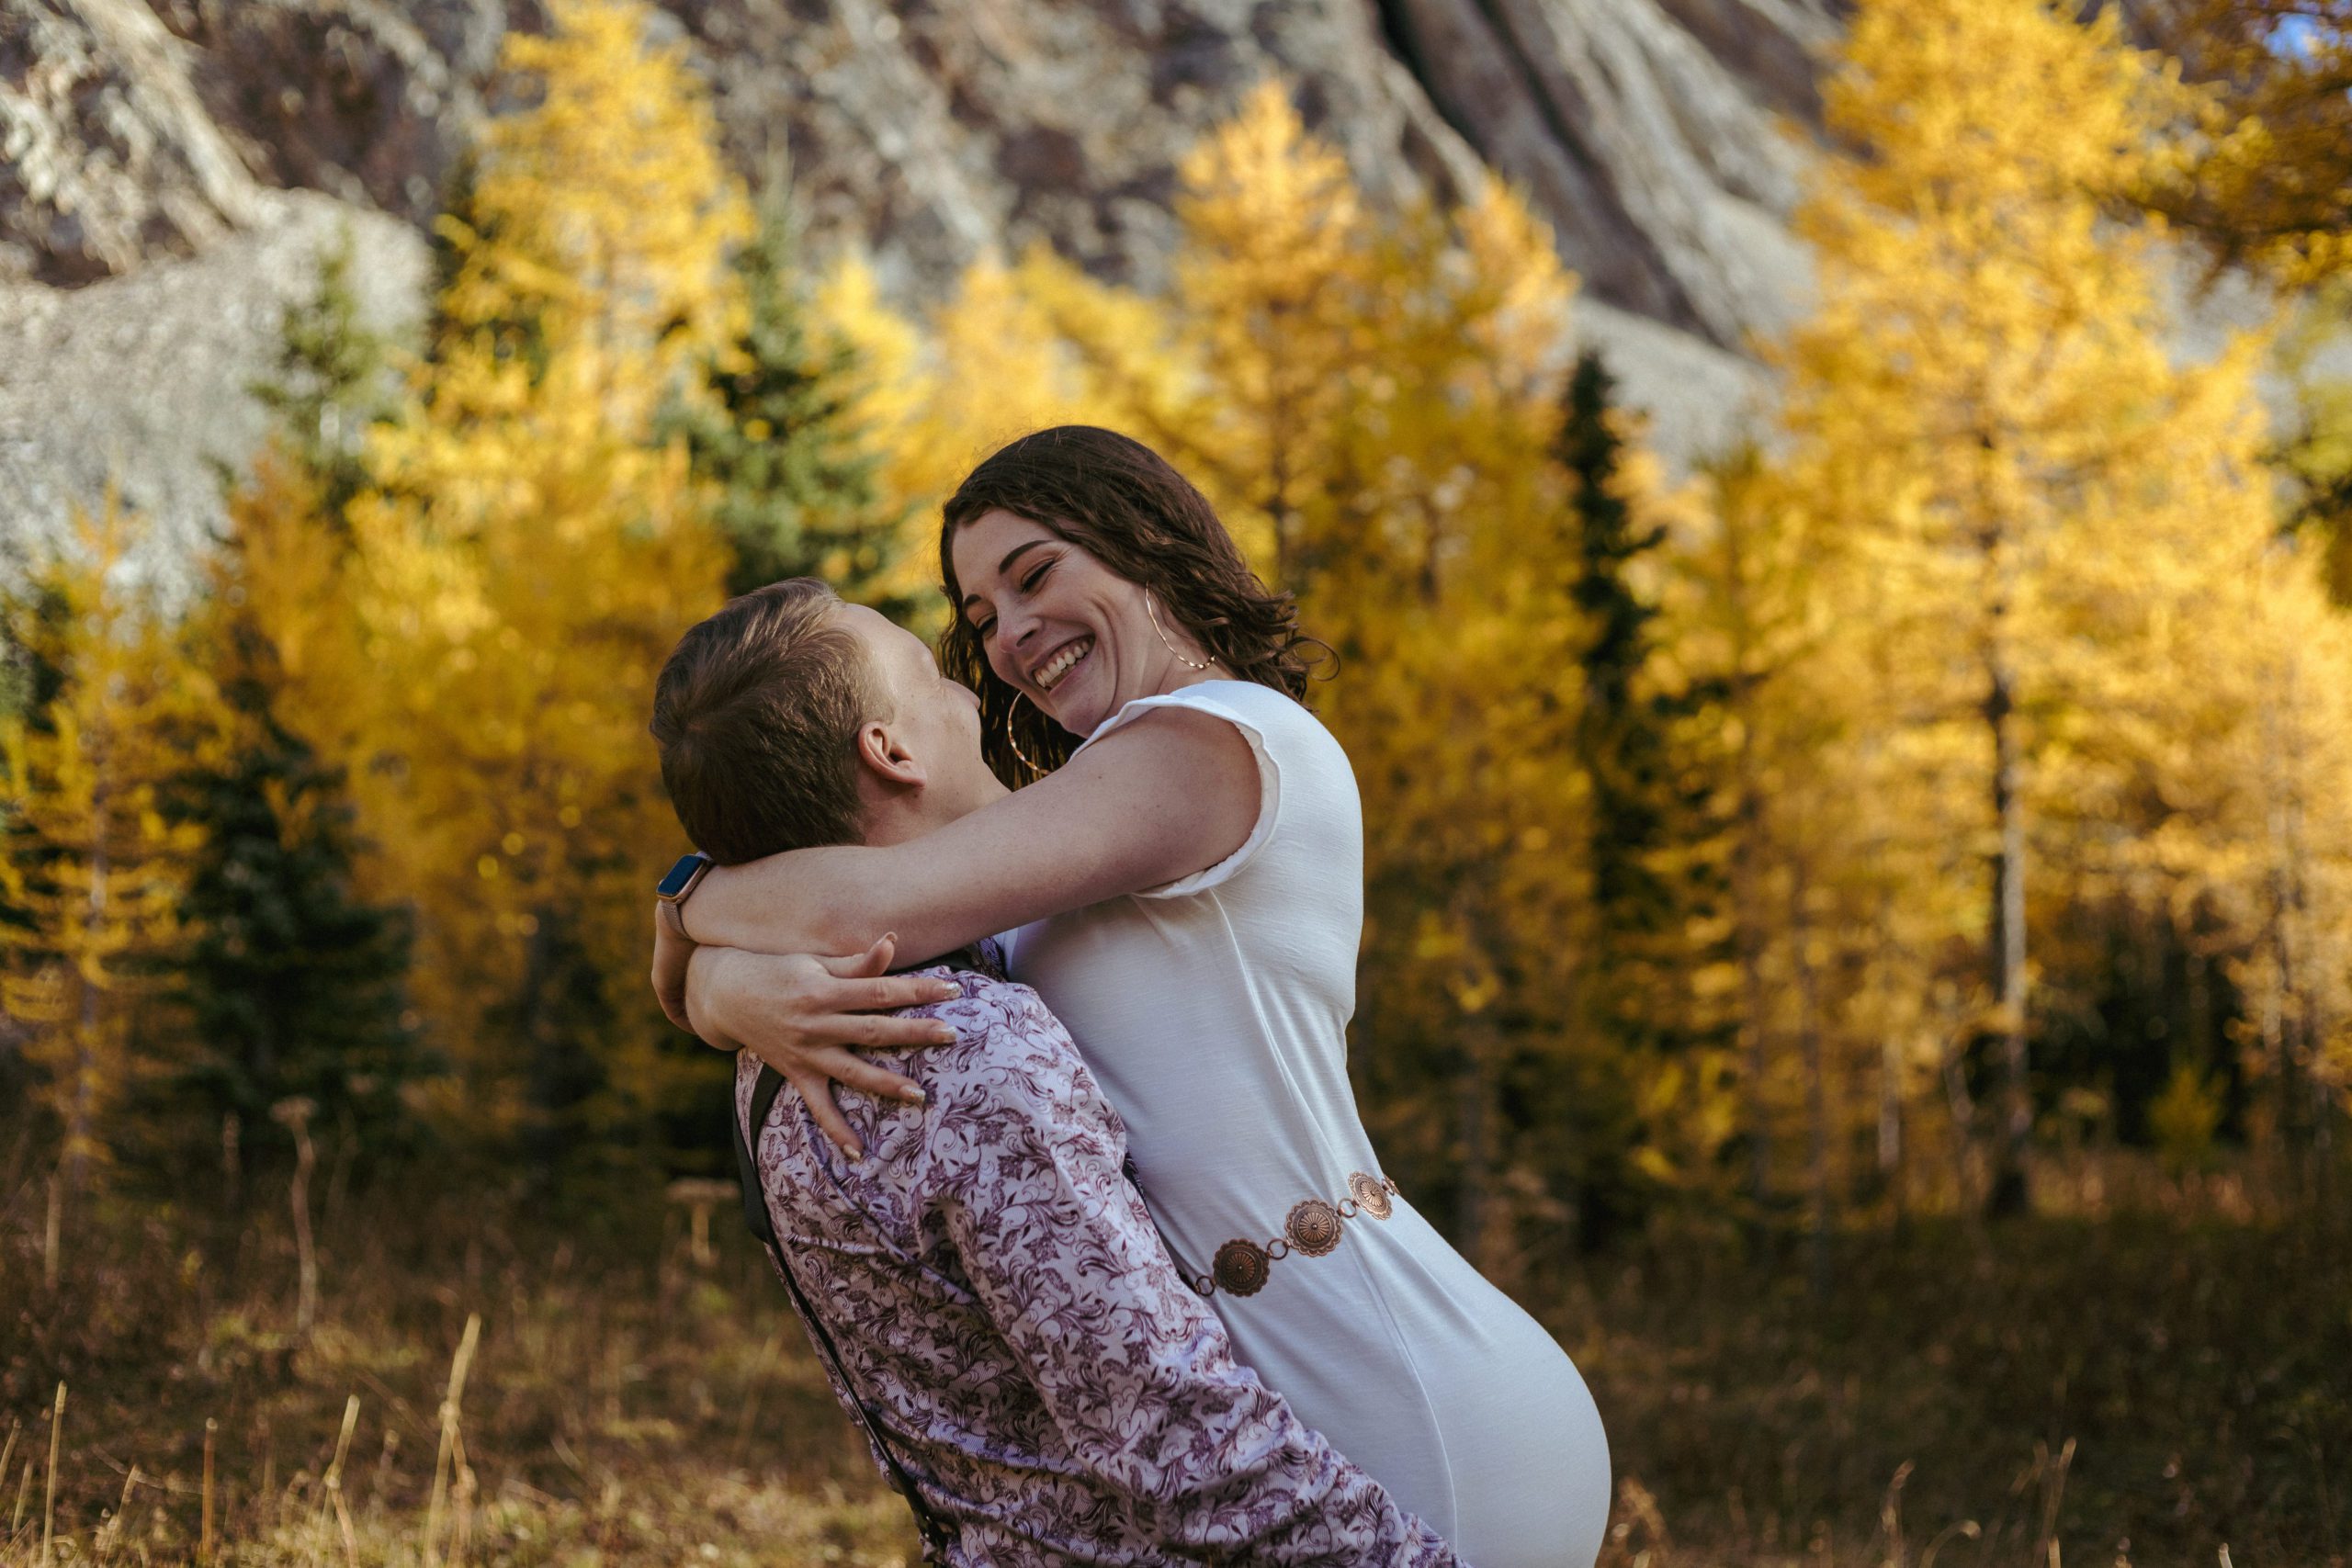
(986, 1285)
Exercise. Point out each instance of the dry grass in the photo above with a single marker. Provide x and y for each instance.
(2147, 1389)
(473, 1390)
(485, 1382)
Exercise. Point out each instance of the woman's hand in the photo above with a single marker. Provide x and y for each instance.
(800, 1013)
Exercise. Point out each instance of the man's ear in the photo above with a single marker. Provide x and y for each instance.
(885, 757)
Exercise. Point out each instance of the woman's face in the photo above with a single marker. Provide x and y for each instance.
(1057, 626)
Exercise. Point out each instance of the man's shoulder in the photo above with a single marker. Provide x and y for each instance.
(1012, 1074)
(1006, 1038)
(1000, 1026)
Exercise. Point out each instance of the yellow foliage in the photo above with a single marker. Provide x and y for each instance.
(1271, 284)
(2016, 510)
(1383, 394)
(93, 868)
(891, 384)
(1015, 349)
(524, 563)
(1991, 460)
(1369, 400)
(600, 207)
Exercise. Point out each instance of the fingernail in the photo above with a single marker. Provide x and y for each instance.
(914, 1095)
(942, 1035)
(947, 990)
(855, 1151)
(891, 936)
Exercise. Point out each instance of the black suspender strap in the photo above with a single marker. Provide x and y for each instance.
(937, 1534)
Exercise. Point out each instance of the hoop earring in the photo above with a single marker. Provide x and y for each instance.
(1171, 648)
(1008, 740)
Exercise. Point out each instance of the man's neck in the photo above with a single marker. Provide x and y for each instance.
(897, 815)
(901, 820)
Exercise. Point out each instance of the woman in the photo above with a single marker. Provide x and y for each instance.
(1186, 882)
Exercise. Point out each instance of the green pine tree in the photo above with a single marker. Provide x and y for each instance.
(294, 984)
(2317, 462)
(1649, 793)
(1652, 801)
(29, 683)
(1620, 739)
(331, 381)
(292, 981)
(798, 492)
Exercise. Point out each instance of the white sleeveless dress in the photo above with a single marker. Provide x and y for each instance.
(1213, 1010)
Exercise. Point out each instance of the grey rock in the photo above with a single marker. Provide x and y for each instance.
(1700, 399)
(933, 132)
(1667, 178)
(107, 156)
(141, 381)
(366, 100)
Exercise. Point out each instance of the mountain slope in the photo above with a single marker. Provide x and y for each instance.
(160, 161)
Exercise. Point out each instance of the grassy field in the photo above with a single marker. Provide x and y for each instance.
(2142, 1390)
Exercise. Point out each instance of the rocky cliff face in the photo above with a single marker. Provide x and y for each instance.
(107, 157)
(147, 154)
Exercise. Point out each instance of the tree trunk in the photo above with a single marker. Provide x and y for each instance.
(1747, 858)
(1748, 852)
(81, 1116)
(2287, 1012)
(1962, 1106)
(1817, 1087)
(1890, 1129)
(2305, 1034)
(1889, 1149)
(2008, 1193)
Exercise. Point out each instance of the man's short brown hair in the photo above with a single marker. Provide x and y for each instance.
(756, 715)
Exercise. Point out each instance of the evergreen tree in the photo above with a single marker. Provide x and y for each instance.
(798, 495)
(1652, 839)
(329, 382)
(294, 983)
(29, 683)
(1621, 734)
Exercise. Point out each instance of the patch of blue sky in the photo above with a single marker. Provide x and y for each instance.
(2301, 38)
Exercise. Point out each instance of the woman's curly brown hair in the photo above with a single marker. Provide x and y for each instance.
(1122, 502)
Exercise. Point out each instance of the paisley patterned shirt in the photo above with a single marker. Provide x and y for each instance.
(999, 1296)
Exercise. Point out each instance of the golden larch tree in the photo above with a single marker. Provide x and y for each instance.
(523, 563)
(1984, 399)
(93, 863)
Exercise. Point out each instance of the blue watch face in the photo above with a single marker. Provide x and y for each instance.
(681, 876)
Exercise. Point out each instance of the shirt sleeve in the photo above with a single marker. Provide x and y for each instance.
(1130, 1362)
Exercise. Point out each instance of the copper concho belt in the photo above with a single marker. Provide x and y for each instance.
(1311, 1228)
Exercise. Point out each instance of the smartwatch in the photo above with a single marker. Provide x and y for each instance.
(683, 878)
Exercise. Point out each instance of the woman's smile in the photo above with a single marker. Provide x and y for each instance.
(1060, 662)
